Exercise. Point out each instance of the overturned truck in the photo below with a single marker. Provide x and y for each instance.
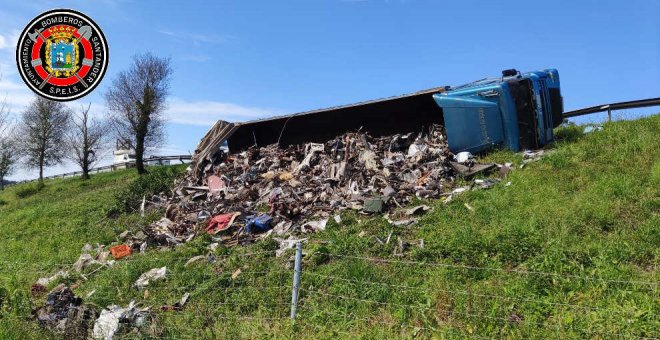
(516, 111)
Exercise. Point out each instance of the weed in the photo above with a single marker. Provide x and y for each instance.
(28, 190)
(158, 180)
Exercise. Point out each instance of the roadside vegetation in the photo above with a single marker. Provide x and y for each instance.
(568, 250)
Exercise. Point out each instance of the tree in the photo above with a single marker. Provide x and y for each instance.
(85, 139)
(8, 154)
(137, 100)
(8, 157)
(42, 130)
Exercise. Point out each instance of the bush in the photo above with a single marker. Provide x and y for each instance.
(28, 190)
(157, 180)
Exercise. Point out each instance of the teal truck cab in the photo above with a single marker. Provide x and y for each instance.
(516, 111)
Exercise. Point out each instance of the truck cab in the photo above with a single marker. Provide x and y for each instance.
(517, 111)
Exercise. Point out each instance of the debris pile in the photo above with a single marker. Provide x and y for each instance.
(296, 188)
(65, 313)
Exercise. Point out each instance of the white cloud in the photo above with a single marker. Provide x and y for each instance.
(9, 41)
(206, 113)
(16, 95)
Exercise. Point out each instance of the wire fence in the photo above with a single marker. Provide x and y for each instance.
(337, 300)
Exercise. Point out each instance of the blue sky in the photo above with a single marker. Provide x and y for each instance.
(242, 60)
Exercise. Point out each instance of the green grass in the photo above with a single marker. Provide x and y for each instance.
(568, 250)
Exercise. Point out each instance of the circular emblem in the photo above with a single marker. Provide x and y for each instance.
(62, 55)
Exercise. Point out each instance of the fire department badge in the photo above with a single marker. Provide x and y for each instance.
(62, 55)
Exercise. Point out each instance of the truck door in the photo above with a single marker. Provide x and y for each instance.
(472, 124)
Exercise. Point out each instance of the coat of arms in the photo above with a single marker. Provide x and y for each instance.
(62, 52)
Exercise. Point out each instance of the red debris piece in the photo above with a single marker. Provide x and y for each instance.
(221, 222)
(120, 251)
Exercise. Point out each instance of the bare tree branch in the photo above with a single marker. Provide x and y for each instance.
(137, 101)
(42, 129)
(8, 153)
(85, 139)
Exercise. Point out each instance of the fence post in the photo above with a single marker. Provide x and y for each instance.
(296, 280)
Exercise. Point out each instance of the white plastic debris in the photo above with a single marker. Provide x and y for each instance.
(314, 226)
(530, 154)
(108, 323)
(195, 259)
(286, 244)
(152, 275)
(144, 202)
(45, 281)
(592, 128)
(420, 209)
(460, 190)
(184, 299)
(84, 261)
(416, 149)
(463, 157)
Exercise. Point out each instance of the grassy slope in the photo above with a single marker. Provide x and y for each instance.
(588, 212)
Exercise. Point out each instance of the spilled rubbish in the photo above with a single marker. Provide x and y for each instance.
(114, 319)
(120, 251)
(532, 156)
(592, 128)
(93, 257)
(65, 313)
(150, 276)
(464, 157)
(178, 306)
(296, 189)
(281, 191)
(194, 260)
(286, 244)
(45, 281)
(259, 223)
(418, 210)
(486, 183)
(471, 169)
(221, 222)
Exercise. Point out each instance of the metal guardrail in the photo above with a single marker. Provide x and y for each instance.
(116, 166)
(633, 104)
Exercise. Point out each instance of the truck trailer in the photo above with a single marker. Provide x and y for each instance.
(517, 111)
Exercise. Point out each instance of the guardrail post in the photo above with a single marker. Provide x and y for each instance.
(296, 281)
(609, 114)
